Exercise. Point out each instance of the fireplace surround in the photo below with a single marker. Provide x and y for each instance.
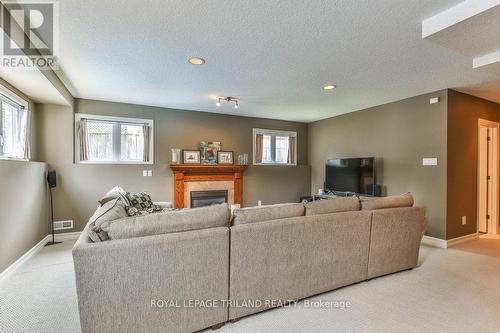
(204, 177)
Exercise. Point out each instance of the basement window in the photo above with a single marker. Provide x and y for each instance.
(113, 140)
(14, 127)
(272, 147)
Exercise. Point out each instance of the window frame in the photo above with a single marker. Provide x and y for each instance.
(116, 137)
(10, 95)
(274, 133)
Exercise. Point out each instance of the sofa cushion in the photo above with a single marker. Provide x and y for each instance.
(403, 200)
(168, 222)
(333, 205)
(115, 193)
(112, 210)
(267, 213)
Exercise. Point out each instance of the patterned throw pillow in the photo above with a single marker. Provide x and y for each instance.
(141, 204)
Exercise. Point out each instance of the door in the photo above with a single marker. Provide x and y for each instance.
(488, 177)
(483, 179)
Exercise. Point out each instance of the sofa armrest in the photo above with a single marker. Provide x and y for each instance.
(164, 204)
(118, 282)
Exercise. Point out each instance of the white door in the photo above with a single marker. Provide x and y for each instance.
(483, 179)
(488, 177)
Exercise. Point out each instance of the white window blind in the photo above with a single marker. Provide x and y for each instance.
(102, 139)
(14, 129)
(272, 147)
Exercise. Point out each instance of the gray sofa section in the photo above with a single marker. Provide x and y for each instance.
(293, 258)
(118, 280)
(279, 259)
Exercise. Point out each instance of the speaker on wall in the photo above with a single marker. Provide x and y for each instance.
(52, 178)
(51, 181)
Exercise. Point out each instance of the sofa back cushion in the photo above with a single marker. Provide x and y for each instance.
(404, 200)
(168, 222)
(334, 205)
(113, 209)
(267, 213)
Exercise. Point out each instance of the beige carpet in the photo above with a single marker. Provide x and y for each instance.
(453, 290)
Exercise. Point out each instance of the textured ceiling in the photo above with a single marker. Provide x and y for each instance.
(274, 56)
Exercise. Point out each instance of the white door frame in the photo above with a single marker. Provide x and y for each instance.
(493, 226)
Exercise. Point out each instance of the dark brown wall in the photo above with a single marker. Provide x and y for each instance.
(463, 114)
(400, 134)
(82, 185)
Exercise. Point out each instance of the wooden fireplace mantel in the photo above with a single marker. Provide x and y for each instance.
(207, 172)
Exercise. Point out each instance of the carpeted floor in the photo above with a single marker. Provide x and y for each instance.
(453, 290)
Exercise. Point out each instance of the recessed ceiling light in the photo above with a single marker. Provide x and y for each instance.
(329, 87)
(196, 61)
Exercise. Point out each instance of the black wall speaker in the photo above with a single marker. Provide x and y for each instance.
(51, 178)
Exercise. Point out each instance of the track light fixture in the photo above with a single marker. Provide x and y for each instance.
(229, 100)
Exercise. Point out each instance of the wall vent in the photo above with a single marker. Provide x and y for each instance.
(63, 225)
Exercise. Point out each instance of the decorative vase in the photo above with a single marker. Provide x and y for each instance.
(176, 156)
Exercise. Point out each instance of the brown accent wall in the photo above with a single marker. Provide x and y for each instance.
(80, 186)
(399, 134)
(463, 114)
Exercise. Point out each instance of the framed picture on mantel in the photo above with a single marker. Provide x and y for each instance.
(191, 157)
(225, 157)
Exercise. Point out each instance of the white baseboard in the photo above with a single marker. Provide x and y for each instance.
(436, 242)
(65, 236)
(40, 245)
(462, 239)
(444, 244)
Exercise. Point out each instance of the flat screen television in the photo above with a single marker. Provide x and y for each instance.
(355, 175)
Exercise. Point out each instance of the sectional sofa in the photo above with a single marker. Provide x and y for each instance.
(187, 270)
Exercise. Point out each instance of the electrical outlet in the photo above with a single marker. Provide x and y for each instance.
(150, 173)
(144, 173)
(464, 220)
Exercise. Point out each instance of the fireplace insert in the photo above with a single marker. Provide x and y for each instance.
(208, 198)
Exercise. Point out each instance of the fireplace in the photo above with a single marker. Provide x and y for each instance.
(227, 180)
(207, 198)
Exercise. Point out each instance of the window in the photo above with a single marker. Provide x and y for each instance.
(103, 139)
(14, 127)
(274, 147)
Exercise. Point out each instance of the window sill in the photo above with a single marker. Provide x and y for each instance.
(5, 158)
(275, 164)
(113, 163)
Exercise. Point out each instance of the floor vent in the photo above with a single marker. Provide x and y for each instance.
(63, 225)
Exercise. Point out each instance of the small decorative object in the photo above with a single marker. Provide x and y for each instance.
(243, 159)
(176, 156)
(191, 157)
(209, 152)
(225, 157)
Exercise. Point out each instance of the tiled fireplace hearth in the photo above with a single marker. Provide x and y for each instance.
(214, 182)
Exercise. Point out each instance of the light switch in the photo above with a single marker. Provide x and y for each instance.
(150, 173)
(144, 173)
(429, 161)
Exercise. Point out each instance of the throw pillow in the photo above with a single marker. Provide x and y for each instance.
(139, 202)
(403, 200)
(115, 193)
(110, 211)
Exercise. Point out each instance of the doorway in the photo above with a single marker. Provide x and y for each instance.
(488, 171)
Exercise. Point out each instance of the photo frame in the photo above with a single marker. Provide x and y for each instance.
(191, 157)
(225, 157)
(209, 152)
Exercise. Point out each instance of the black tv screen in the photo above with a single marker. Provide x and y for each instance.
(356, 175)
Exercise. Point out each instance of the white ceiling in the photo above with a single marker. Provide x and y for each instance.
(274, 56)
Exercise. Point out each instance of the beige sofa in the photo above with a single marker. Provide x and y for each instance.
(273, 253)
